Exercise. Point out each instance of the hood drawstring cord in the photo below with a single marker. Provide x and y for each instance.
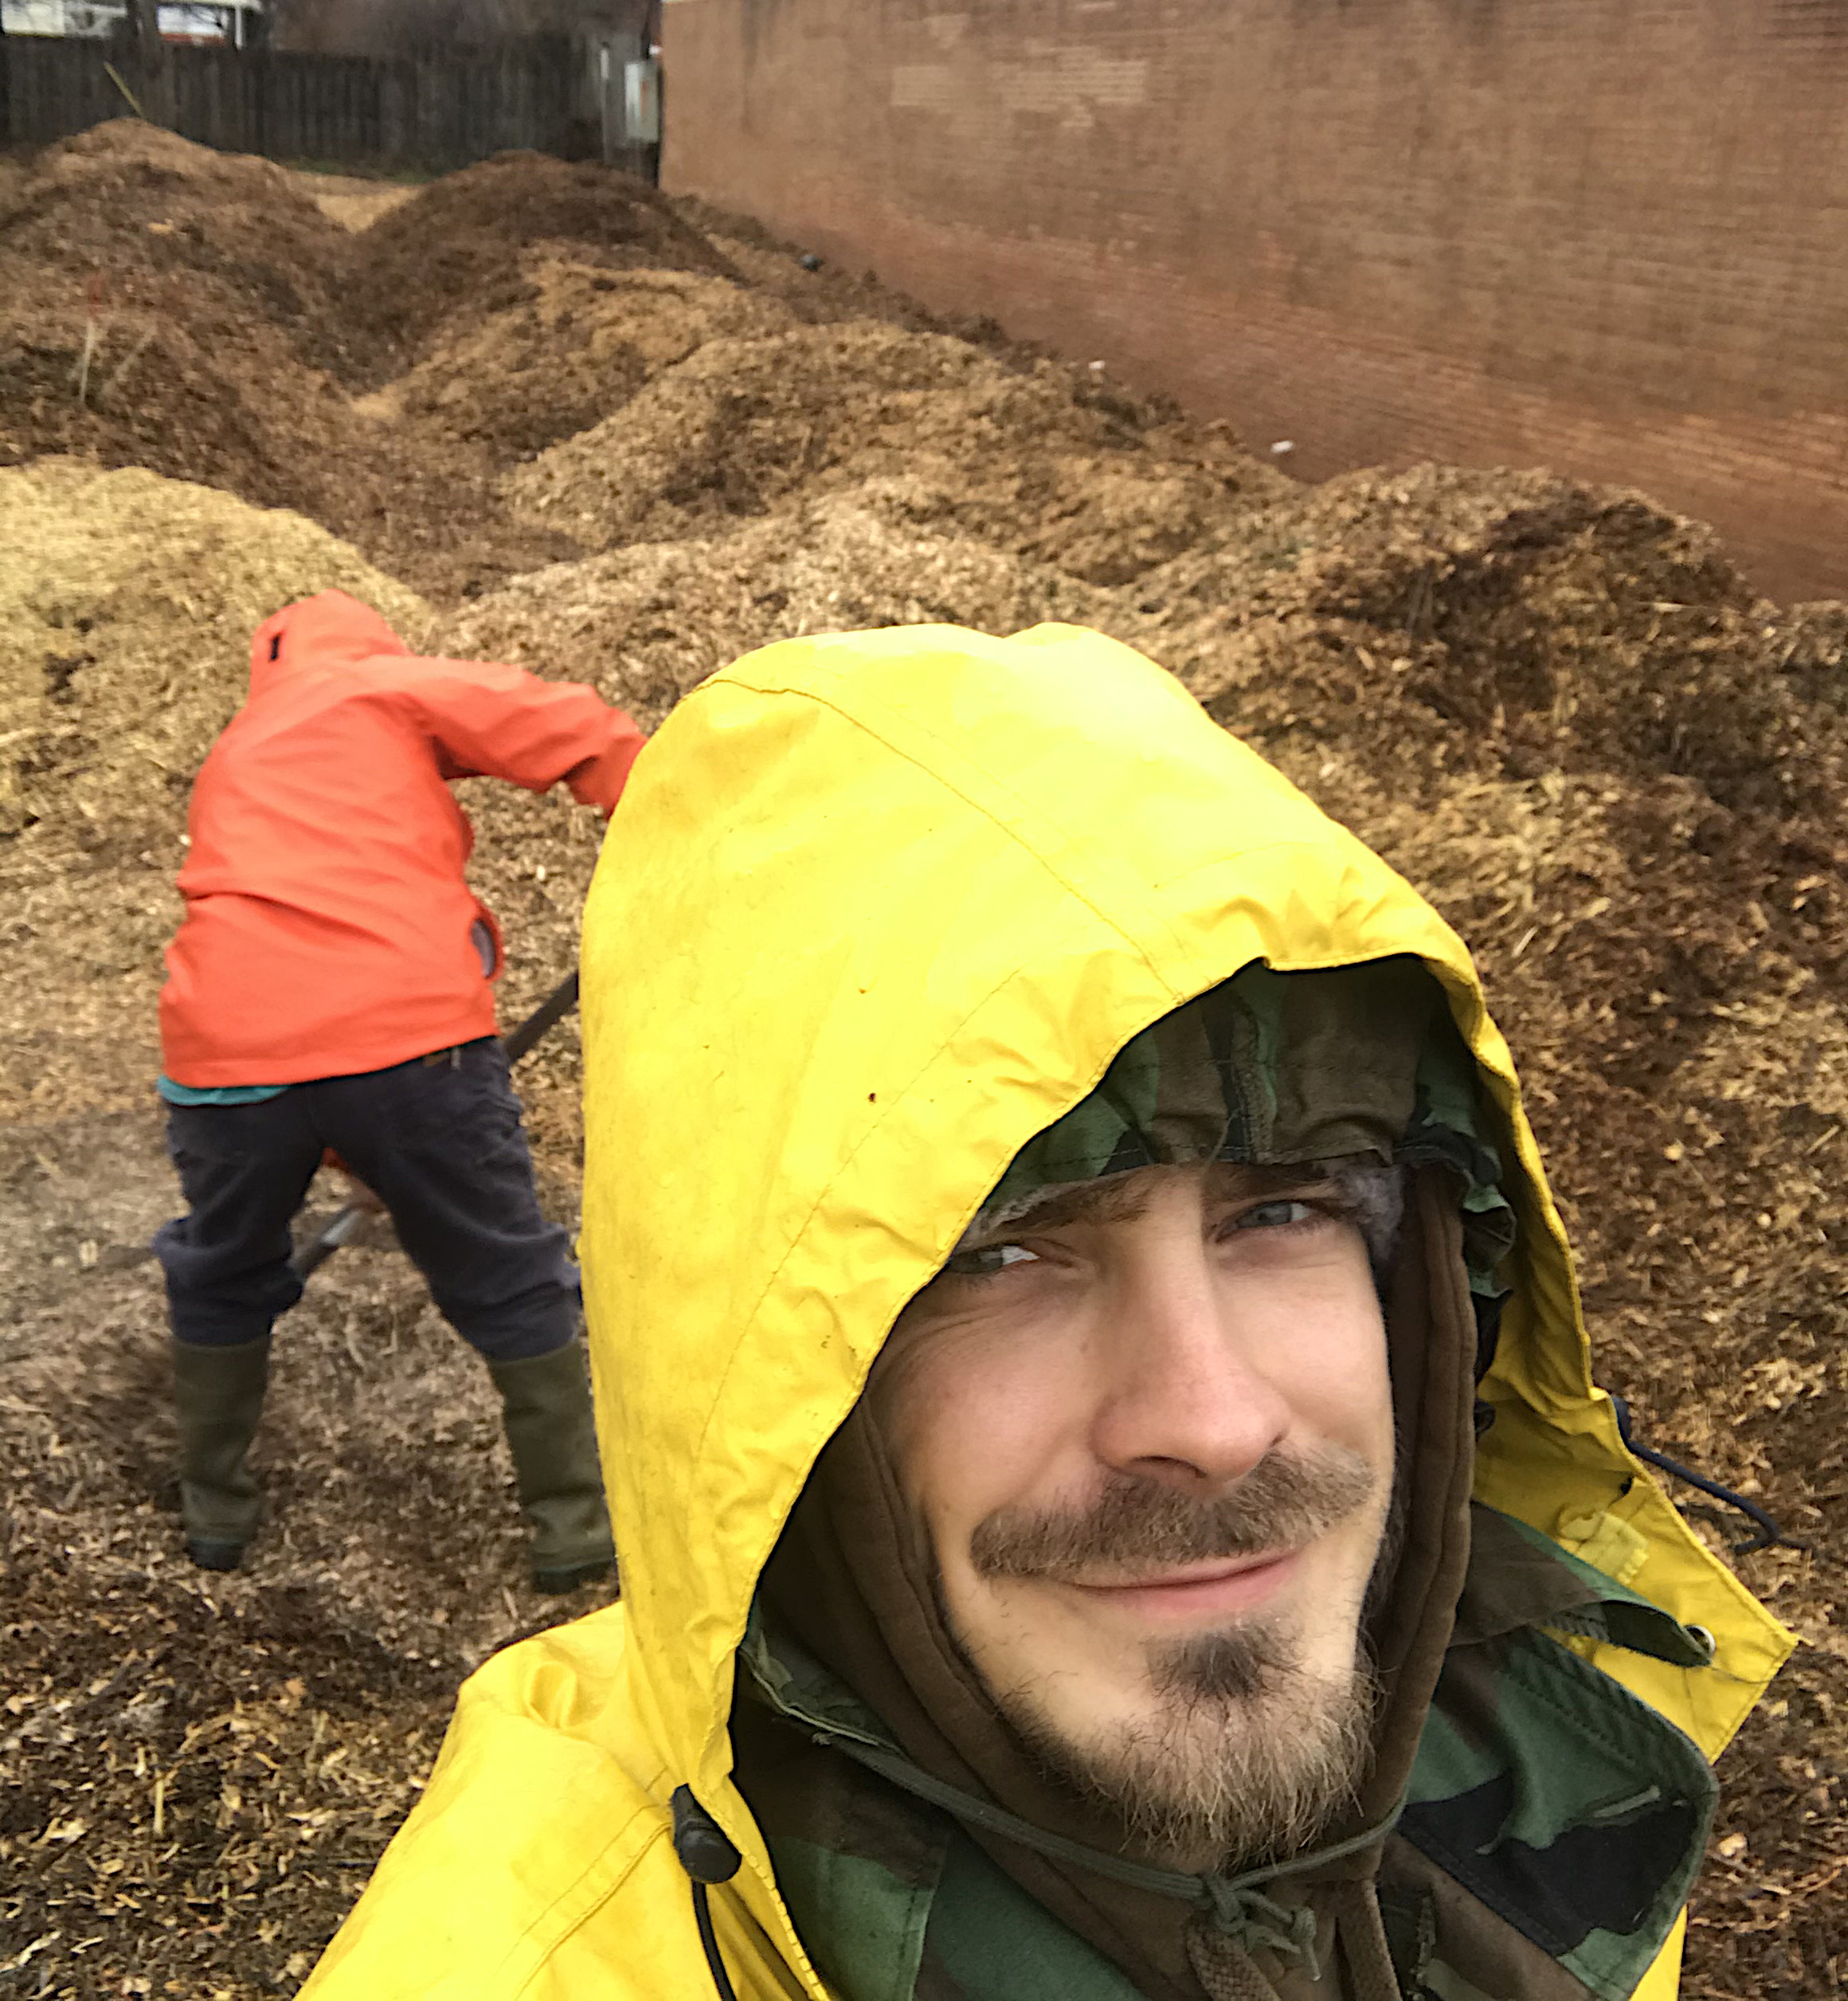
(708, 1855)
(1250, 1919)
(1228, 1975)
(1769, 1535)
(1225, 1971)
(1363, 1931)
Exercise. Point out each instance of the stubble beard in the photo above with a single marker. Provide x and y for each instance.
(1244, 1758)
(1243, 1754)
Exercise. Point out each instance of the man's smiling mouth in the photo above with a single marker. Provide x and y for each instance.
(1216, 1588)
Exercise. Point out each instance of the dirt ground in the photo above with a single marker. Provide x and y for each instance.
(535, 412)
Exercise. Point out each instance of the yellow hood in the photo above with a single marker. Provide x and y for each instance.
(876, 909)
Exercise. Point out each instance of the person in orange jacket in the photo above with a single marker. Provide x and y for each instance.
(330, 989)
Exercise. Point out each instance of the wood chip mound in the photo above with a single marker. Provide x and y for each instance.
(1558, 709)
(649, 622)
(1011, 454)
(139, 219)
(578, 341)
(449, 249)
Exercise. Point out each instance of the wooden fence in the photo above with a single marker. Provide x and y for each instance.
(430, 112)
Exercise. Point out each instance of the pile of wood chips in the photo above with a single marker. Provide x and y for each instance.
(652, 442)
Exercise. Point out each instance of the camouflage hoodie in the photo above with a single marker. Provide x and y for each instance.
(877, 910)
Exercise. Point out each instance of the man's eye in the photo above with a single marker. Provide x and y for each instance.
(1272, 1215)
(987, 1260)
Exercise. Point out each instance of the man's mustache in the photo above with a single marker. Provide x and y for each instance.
(1284, 1502)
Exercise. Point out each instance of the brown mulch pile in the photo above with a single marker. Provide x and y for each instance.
(575, 342)
(141, 215)
(194, 313)
(164, 306)
(454, 249)
(647, 623)
(1557, 709)
(353, 201)
(815, 291)
(1030, 459)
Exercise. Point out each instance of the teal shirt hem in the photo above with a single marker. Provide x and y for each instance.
(225, 1094)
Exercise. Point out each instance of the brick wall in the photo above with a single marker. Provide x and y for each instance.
(1610, 236)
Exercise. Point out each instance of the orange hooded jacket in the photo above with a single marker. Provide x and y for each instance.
(330, 928)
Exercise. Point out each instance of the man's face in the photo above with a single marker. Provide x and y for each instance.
(1148, 1430)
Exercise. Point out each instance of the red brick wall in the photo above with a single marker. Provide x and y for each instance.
(1610, 236)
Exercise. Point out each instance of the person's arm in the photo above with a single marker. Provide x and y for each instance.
(494, 721)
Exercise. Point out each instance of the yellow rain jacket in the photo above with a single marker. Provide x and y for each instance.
(878, 907)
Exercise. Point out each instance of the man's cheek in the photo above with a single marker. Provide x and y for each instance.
(961, 1482)
(1340, 1376)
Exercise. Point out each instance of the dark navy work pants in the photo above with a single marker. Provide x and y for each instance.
(439, 1140)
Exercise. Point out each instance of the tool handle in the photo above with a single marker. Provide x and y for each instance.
(316, 1252)
(543, 1019)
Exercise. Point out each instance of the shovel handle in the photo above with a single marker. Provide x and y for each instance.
(543, 1019)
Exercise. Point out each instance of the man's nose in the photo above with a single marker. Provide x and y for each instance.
(1182, 1397)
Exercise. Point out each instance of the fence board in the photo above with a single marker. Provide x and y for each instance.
(431, 112)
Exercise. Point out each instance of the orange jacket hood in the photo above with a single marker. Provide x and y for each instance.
(330, 629)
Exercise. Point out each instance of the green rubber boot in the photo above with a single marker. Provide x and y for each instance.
(219, 1394)
(545, 1408)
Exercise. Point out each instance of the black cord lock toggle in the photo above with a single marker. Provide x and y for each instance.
(705, 1850)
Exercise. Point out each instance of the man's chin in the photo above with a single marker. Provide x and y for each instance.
(1233, 1757)
(1235, 1664)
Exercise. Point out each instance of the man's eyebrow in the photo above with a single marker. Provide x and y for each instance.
(1112, 1198)
(1241, 1181)
(1122, 1198)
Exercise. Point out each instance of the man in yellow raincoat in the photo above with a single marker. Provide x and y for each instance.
(1110, 1495)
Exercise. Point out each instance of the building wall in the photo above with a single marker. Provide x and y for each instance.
(208, 22)
(1609, 236)
(59, 17)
